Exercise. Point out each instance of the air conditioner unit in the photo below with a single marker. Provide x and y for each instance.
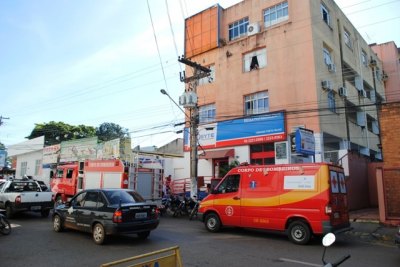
(372, 63)
(332, 67)
(362, 93)
(253, 28)
(326, 85)
(342, 91)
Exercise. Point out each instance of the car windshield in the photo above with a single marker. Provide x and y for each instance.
(114, 197)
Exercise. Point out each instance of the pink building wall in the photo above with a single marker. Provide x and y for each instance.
(389, 54)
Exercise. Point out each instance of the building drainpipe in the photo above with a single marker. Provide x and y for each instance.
(377, 105)
(344, 85)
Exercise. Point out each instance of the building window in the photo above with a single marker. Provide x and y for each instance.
(238, 29)
(207, 113)
(325, 15)
(364, 58)
(38, 164)
(347, 39)
(331, 101)
(256, 103)
(208, 79)
(24, 168)
(255, 60)
(327, 56)
(276, 14)
(262, 154)
(351, 111)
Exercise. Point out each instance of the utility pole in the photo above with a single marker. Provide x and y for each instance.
(189, 101)
(1, 120)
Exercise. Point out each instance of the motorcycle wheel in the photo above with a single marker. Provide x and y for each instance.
(5, 227)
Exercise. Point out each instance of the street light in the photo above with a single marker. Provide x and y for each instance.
(176, 104)
(193, 141)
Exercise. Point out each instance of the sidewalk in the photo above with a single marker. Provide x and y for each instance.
(367, 228)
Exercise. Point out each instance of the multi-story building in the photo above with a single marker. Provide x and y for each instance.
(291, 81)
(389, 53)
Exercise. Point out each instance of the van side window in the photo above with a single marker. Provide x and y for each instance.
(230, 184)
(60, 173)
(69, 173)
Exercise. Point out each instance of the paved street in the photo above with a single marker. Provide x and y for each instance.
(34, 243)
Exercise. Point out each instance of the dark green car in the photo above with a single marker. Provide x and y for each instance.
(104, 212)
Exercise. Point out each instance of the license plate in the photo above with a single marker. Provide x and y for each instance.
(36, 208)
(141, 215)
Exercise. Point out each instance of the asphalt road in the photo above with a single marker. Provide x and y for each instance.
(34, 243)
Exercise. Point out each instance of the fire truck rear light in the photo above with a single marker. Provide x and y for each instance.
(328, 209)
(117, 216)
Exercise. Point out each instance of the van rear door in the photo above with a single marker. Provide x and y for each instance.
(338, 198)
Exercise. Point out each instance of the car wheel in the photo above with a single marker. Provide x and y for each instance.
(45, 213)
(57, 223)
(212, 222)
(9, 211)
(143, 235)
(99, 235)
(299, 232)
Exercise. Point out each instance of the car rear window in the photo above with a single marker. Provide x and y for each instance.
(114, 197)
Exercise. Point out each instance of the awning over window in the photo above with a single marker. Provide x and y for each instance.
(216, 154)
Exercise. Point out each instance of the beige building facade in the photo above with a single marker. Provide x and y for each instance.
(284, 74)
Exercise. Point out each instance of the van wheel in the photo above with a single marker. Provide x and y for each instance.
(212, 222)
(299, 232)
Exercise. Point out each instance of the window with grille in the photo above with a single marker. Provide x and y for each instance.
(256, 103)
(38, 164)
(24, 168)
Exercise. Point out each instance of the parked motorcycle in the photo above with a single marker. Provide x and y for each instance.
(327, 241)
(185, 206)
(5, 226)
(195, 209)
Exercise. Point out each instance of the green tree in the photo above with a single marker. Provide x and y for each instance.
(2, 146)
(225, 169)
(108, 131)
(55, 132)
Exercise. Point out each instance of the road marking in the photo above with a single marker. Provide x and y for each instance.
(14, 225)
(300, 262)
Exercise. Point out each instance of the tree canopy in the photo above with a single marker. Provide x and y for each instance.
(108, 131)
(56, 132)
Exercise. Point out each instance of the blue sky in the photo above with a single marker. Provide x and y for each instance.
(94, 61)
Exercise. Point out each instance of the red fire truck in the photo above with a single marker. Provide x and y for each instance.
(72, 178)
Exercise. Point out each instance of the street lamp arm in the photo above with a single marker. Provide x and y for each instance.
(176, 104)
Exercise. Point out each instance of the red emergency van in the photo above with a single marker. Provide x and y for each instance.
(300, 199)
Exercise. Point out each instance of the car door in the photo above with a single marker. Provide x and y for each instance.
(88, 211)
(73, 210)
